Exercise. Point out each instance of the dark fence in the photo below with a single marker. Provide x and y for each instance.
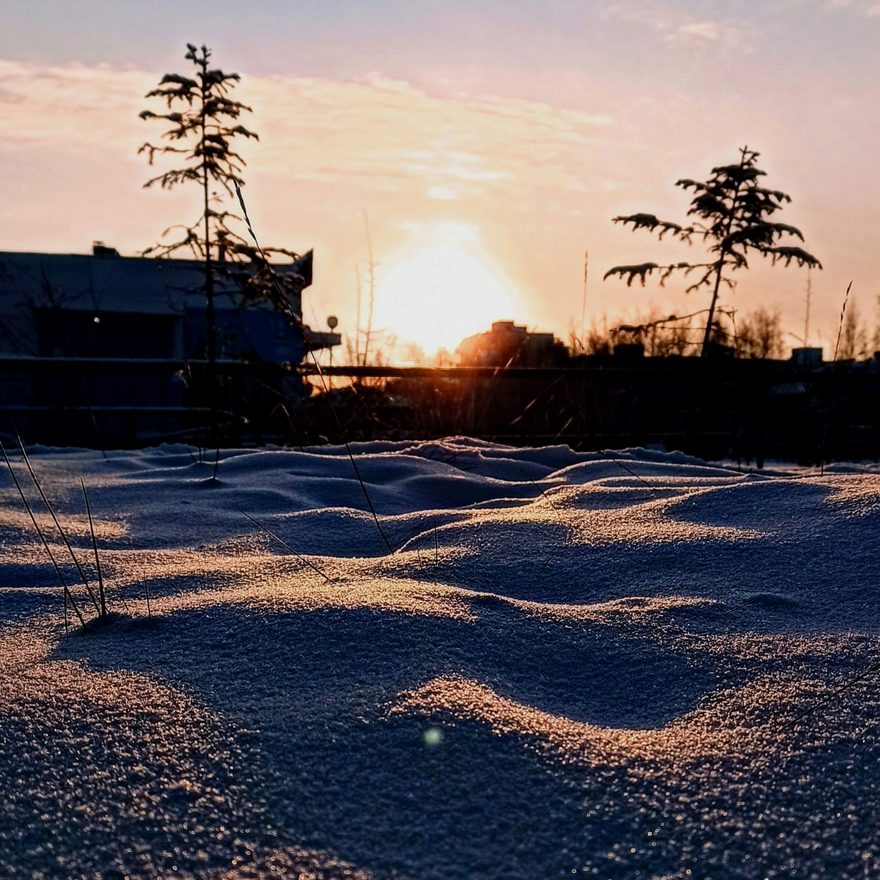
(747, 410)
(107, 402)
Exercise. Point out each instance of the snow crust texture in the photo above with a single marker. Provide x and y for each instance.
(626, 664)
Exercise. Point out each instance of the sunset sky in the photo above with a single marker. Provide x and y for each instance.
(482, 148)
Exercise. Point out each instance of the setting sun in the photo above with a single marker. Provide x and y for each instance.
(437, 293)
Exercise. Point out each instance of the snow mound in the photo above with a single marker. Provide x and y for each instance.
(450, 659)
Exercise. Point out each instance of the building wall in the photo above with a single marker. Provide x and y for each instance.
(105, 305)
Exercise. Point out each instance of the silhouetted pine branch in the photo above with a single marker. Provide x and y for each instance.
(732, 210)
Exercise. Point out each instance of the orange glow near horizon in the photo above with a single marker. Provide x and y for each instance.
(436, 294)
(484, 185)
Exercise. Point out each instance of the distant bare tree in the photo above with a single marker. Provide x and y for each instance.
(669, 335)
(853, 335)
(875, 337)
(759, 334)
(596, 340)
(660, 334)
(732, 211)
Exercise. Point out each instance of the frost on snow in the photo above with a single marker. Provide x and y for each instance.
(617, 665)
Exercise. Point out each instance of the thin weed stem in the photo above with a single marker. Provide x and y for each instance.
(631, 472)
(320, 373)
(61, 532)
(840, 324)
(284, 543)
(101, 595)
(827, 413)
(546, 496)
(68, 596)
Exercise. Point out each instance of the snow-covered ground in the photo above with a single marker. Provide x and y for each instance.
(610, 665)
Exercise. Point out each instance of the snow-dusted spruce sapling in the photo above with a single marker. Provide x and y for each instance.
(204, 124)
(732, 212)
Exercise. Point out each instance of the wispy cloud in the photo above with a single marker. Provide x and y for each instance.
(72, 106)
(540, 179)
(676, 26)
(377, 132)
(386, 133)
(868, 8)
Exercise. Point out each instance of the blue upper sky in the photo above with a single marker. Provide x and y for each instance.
(399, 36)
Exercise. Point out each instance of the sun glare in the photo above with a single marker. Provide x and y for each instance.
(441, 289)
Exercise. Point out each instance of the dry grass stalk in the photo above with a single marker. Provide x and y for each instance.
(68, 596)
(287, 546)
(320, 373)
(101, 595)
(61, 531)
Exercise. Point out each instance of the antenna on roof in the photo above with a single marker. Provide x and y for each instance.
(809, 293)
(584, 299)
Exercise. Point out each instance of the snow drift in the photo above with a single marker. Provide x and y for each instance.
(628, 664)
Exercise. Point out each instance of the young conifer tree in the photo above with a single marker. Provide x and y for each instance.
(732, 214)
(204, 125)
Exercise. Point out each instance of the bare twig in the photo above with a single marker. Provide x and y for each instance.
(631, 472)
(147, 591)
(61, 531)
(68, 596)
(101, 595)
(826, 413)
(320, 373)
(840, 324)
(284, 543)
